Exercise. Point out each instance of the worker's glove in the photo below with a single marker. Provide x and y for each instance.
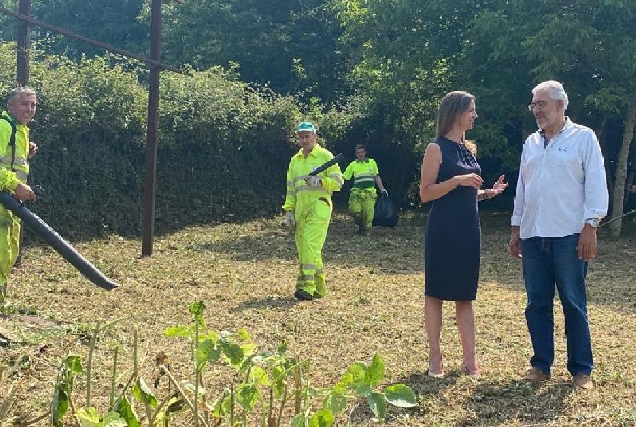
(313, 181)
(386, 193)
(290, 221)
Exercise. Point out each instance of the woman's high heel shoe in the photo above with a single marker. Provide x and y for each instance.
(438, 375)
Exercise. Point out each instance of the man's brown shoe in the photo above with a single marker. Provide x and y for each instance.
(583, 381)
(536, 375)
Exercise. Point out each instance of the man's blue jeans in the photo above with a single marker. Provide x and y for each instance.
(548, 261)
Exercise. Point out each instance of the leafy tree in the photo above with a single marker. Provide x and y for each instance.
(591, 49)
(289, 45)
(114, 22)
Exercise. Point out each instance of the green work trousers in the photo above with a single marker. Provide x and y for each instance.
(312, 224)
(9, 244)
(361, 205)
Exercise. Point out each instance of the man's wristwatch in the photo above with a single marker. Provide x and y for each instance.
(594, 222)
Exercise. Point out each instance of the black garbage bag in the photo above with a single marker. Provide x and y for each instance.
(385, 213)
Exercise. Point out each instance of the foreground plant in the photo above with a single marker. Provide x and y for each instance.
(267, 388)
(268, 380)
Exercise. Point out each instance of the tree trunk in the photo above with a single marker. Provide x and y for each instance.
(621, 169)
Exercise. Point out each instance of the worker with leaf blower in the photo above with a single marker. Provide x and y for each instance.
(308, 208)
(15, 151)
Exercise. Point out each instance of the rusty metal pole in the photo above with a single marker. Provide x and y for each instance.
(150, 176)
(24, 44)
(22, 76)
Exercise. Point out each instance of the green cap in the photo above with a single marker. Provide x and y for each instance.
(306, 127)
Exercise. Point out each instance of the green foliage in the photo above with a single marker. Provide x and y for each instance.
(288, 45)
(216, 135)
(61, 402)
(114, 22)
(261, 388)
(91, 418)
(367, 71)
(277, 372)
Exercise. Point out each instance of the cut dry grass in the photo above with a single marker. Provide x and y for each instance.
(245, 274)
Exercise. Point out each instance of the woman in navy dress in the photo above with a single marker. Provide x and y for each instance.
(451, 179)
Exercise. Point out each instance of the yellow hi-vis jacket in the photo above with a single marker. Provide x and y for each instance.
(299, 194)
(363, 174)
(12, 175)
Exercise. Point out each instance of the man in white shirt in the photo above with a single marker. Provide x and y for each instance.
(561, 197)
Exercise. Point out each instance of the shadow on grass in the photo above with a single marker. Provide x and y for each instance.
(487, 403)
(517, 401)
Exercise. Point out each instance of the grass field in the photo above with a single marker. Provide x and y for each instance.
(245, 274)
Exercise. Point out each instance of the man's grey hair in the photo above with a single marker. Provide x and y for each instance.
(19, 90)
(555, 90)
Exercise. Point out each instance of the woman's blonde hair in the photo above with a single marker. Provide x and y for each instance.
(472, 146)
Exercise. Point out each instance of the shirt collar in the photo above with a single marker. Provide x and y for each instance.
(567, 124)
(311, 153)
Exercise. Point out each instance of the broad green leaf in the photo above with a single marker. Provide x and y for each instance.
(279, 375)
(89, 417)
(74, 364)
(322, 418)
(207, 351)
(377, 403)
(233, 352)
(92, 418)
(363, 390)
(226, 406)
(353, 376)
(143, 393)
(208, 335)
(247, 395)
(335, 402)
(124, 408)
(248, 349)
(59, 406)
(243, 334)
(375, 372)
(400, 395)
(113, 419)
(177, 331)
(260, 377)
(340, 388)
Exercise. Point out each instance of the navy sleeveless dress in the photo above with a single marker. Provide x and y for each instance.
(452, 239)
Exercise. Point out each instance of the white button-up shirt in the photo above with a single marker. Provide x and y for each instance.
(561, 185)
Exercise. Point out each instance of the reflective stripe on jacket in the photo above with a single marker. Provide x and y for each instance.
(363, 174)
